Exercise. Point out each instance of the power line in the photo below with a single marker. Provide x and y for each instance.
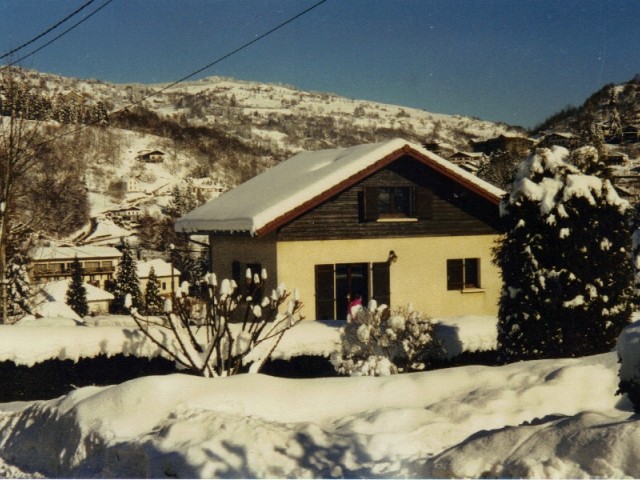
(192, 74)
(26, 44)
(224, 57)
(57, 37)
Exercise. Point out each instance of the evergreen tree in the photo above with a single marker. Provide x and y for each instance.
(498, 168)
(77, 293)
(127, 282)
(153, 302)
(567, 276)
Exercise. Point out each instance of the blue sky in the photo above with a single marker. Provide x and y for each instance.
(515, 61)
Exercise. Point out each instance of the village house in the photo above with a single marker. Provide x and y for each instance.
(98, 300)
(630, 134)
(150, 156)
(514, 144)
(390, 221)
(128, 214)
(164, 272)
(51, 263)
(469, 161)
(566, 140)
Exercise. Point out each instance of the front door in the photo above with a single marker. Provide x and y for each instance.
(336, 285)
(351, 279)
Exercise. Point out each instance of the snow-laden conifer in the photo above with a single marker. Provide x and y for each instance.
(153, 302)
(565, 260)
(77, 293)
(127, 282)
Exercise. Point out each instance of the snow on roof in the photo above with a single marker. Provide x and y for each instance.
(84, 252)
(53, 309)
(304, 177)
(58, 291)
(161, 268)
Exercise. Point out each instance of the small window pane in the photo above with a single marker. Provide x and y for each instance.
(384, 200)
(472, 273)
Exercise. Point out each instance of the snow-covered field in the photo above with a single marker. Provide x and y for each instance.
(551, 418)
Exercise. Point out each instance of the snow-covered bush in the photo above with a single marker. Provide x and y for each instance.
(379, 341)
(213, 334)
(628, 348)
(565, 261)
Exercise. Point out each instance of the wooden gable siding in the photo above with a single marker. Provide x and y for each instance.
(456, 210)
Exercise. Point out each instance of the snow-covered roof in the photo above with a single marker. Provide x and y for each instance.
(258, 204)
(57, 291)
(84, 252)
(160, 267)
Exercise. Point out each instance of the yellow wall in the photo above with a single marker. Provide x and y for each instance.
(419, 276)
(224, 250)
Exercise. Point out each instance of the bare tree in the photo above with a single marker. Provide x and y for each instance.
(19, 147)
(214, 334)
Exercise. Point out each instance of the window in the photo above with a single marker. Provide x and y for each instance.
(91, 266)
(463, 273)
(336, 284)
(396, 202)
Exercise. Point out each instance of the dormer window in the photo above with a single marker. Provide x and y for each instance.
(397, 203)
(394, 202)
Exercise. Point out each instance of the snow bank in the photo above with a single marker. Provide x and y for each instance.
(467, 333)
(259, 426)
(55, 338)
(36, 340)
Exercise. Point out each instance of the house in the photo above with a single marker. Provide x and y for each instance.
(54, 263)
(390, 221)
(513, 144)
(630, 134)
(469, 161)
(98, 300)
(129, 214)
(566, 140)
(132, 183)
(164, 271)
(150, 156)
(205, 188)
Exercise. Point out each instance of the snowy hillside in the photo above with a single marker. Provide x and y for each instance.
(216, 131)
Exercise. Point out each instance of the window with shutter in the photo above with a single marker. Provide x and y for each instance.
(463, 273)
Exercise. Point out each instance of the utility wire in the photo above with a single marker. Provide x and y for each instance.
(56, 37)
(26, 44)
(192, 74)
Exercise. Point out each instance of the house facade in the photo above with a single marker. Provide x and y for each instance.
(150, 156)
(168, 277)
(50, 264)
(98, 300)
(389, 221)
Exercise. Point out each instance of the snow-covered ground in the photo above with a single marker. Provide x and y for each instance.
(547, 418)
